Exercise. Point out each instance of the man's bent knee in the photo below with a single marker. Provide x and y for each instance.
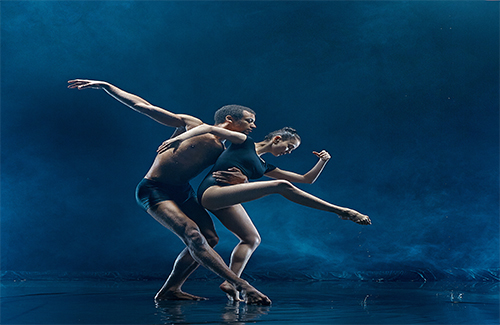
(212, 241)
(194, 237)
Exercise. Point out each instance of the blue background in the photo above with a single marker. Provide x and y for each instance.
(404, 95)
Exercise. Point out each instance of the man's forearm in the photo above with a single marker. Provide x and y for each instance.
(136, 103)
(124, 97)
(142, 106)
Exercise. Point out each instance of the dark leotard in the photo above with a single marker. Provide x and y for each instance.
(242, 156)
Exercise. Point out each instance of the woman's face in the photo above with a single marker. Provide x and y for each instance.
(282, 147)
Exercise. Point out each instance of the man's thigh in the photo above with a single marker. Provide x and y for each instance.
(200, 216)
(170, 215)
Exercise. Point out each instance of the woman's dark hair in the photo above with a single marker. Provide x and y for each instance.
(236, 111)
(286, 133)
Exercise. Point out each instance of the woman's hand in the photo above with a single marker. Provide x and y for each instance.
(323, 155)
(85, 83)
(167, 144)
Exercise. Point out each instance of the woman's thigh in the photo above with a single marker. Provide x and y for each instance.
(218, 197)
(236, 220)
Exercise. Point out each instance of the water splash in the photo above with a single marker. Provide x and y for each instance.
(456, 297)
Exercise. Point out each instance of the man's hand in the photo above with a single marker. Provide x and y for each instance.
(231, 176)
(167, 144)
(323, 155)
(85, 83)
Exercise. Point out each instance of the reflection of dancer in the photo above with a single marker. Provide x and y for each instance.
(237, 314)
(178, 312)
(166, 195)
(224, 200)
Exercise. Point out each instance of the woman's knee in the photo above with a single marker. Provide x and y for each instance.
(283, 185)
(252, 241)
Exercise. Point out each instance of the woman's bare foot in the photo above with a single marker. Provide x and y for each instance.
(231, 292)
(253, 297)
(177, 295)
(353, 215)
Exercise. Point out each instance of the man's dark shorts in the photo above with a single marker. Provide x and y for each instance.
(149, 193)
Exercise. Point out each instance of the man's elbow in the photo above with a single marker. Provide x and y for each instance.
(142, 108)
(159, 115)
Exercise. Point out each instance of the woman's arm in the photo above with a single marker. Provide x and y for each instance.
(234, 137)
(309, 177)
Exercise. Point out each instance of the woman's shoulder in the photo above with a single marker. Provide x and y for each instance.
(248, 142)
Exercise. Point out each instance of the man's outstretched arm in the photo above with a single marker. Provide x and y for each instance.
(138, 104)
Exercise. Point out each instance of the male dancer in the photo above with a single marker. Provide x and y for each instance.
(166, 195)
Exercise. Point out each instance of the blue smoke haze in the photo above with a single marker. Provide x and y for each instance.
(404, 95)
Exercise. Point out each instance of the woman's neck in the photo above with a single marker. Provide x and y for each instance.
(262, 147)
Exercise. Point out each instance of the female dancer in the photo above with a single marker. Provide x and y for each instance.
(224, 200)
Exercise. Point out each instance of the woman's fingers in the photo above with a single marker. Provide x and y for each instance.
(323, 155)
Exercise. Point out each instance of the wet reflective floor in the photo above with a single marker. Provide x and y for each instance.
(321, 302)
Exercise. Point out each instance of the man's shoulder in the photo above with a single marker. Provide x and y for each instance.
(190, 121)
(208, 139)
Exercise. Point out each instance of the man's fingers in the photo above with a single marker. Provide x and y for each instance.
(82, 84)
(223, 179)
(78, 85)
(222, 173)
(228, 172)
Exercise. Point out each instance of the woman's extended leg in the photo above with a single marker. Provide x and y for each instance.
(236, 220)
(218, 197)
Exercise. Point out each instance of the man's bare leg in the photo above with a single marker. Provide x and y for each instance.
(170, 216)
(184, 264)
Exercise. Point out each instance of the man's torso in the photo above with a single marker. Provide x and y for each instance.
(186, 161)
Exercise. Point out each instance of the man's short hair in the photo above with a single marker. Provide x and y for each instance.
(236, 111)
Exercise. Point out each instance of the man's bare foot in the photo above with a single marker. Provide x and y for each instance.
(254, 297)
(349, 214)
(177, 295)
(231, 292)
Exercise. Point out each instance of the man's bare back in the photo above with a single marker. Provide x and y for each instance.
(180, 165)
